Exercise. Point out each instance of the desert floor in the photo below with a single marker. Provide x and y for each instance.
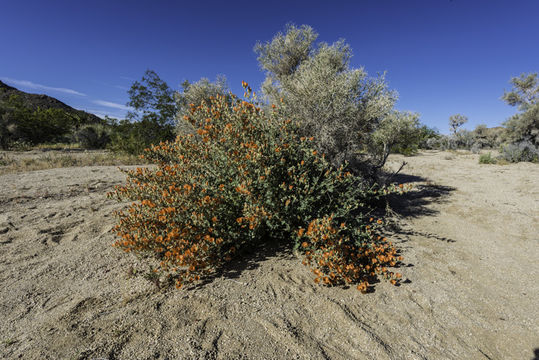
(469, 234)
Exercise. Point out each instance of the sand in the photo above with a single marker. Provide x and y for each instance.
(469, 234)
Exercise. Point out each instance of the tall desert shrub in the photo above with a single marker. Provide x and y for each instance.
(339, 105)
(247, 176)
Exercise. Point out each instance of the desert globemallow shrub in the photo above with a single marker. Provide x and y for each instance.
(245, 177)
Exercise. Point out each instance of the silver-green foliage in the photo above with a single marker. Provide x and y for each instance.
(487, 159)
(520, 151)
(196, 93)
(524, 126)
(398, 128)
(315, 85)
(487, 137)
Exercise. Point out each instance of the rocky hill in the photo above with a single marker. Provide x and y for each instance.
(33, 101)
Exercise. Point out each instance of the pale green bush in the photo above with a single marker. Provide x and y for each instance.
(339, 105)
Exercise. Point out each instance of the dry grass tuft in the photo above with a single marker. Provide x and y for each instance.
(18, 162)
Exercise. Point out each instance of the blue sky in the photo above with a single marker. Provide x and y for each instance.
(442, 56)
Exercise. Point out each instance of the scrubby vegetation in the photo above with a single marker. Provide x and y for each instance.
(23, 162)
(20, 124)
(487, 159)
(522, 130)
(351, 115)
(517, 141)
(299, 167)
(247, 176)
(461, 139)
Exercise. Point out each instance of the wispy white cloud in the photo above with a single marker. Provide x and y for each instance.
(112, 105)
(32, 85)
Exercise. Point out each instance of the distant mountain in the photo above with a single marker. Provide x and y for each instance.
(33, 101)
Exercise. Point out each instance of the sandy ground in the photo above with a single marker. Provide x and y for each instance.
(469, 234)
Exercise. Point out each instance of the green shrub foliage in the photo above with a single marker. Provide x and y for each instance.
(20, 124)
(246, 176)
(152, 119)
(133, 137)
(93, 136)
(487, 159)
(398, 132)
(524, 126)
(520, 151)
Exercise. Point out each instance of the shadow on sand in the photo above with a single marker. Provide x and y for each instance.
(250, 258)
(416, 202)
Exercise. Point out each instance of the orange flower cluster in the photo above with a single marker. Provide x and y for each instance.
(335, 260)
(199, 176)
(242, 176)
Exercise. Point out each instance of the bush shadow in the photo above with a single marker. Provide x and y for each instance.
(250, 258)
(415, 203)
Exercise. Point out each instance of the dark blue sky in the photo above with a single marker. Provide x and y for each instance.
(442, 56)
